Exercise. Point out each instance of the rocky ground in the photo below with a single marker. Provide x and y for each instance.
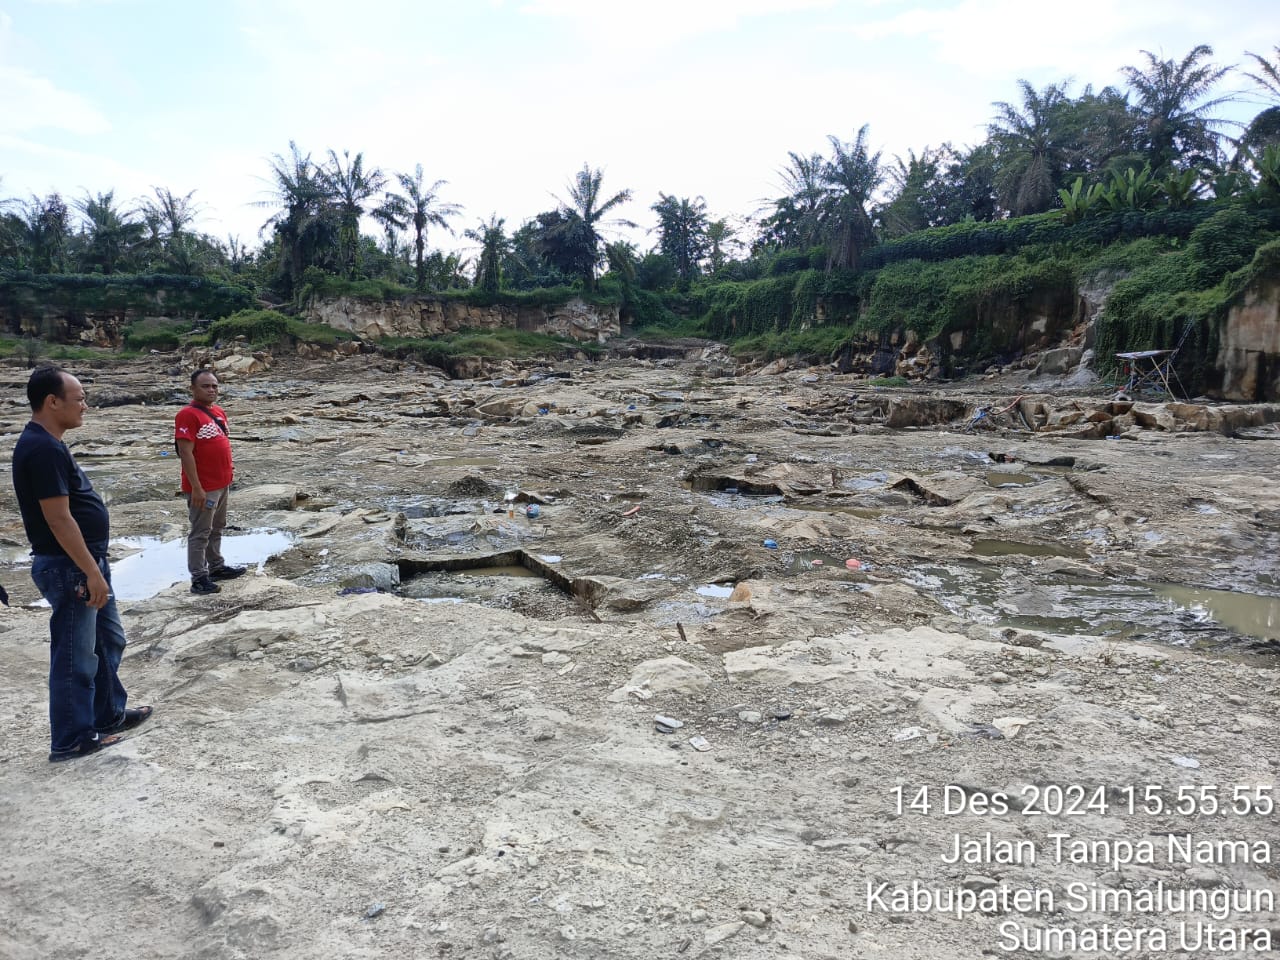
(776, 649)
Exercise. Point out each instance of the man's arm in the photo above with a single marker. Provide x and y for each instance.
(57, 513)
(186, 453)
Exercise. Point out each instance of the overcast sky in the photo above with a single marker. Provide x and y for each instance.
(505, 99)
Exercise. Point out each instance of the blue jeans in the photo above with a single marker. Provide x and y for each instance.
(85, 694)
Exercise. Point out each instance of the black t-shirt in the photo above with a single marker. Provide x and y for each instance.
(42, 468)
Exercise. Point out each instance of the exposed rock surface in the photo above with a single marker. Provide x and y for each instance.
(426, 317)
(819, 607)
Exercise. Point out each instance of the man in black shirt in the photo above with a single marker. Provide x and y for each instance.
(67, 524)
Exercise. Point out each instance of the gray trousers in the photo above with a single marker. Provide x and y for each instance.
(204, 542)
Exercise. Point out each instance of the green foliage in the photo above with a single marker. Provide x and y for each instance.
(794, 261)
(152, 333)
(772, 303)
(502, 343)
(816, 342)
(259, 327)
(154, 294)
(656, 271)
(1007, 236)
(263, 328)
(316, 283)
(1078, 202)
(650, 313)
(1131, 189)
(889, 382)
(1223, 243)
(934, 298)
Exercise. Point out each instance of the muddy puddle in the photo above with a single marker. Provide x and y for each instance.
(156, 564)
(1117, 610)
(511, 580)
(1004, 478)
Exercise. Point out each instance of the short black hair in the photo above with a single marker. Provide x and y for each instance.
(195, 374)
(46, 381)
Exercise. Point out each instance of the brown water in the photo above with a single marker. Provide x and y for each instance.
(1004, 548)
(1249, 614)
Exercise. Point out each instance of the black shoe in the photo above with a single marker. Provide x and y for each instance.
(227, 573)
(204, 585)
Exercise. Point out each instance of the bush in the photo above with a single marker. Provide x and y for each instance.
(499, 344)
(1225, 242)
(155, 334)
(259, 327)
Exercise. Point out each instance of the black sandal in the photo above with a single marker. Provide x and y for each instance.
(85, 747)
(133, 716)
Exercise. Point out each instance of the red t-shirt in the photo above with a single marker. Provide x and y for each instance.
(212, 445)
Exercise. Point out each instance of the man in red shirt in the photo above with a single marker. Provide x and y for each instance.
(204, 447)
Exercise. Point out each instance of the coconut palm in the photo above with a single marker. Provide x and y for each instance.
(1174, 110)
(418, 206)
(851, 175)
(583, 217)
(350, 186)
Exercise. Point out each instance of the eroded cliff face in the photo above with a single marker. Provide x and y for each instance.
(90, 329)
(1249, 350)
(425, 317)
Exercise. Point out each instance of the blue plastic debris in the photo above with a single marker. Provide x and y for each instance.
(770, 544)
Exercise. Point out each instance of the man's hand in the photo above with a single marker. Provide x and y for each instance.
(198, 497)
(99, 592)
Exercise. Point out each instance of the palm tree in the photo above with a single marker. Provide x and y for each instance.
(301, 196)
(422, 207)
(1174, 119)
(494, 246)
(1031, 148)
(1269, 78)
(850, 176)
(915, 185)
(797, 217)
(43, 230)
(721, 236)
(584, 214)
(112, 233)
(350, 187)
(682, 232)
(169, 215)
(1264, 129)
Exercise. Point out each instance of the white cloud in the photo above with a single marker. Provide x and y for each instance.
(660, 23)
(33, 103)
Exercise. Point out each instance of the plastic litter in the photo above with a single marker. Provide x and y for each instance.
(853, 564)
(532, 511)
